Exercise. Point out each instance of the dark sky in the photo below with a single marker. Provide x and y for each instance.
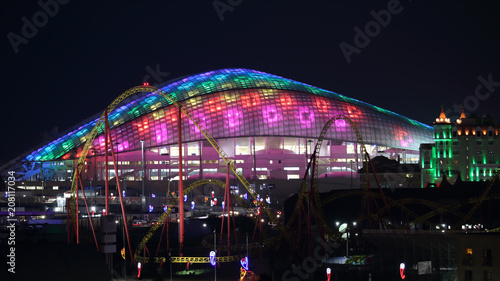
(428, 54)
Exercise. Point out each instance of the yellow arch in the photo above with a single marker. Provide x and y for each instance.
(173, 100)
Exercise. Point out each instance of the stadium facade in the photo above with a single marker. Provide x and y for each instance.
(268, 124)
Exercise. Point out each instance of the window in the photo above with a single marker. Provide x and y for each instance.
(487, 275)
(455, 152)
(487, 257)
(468, 257)
(426, 152)
(455, 143)
(468, 275)
(491, 142)
(479, 142)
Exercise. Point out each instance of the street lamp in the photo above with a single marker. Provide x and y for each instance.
(166, 172)
(143, 175)
(117, 162)
(94, 151)
(352, 162)
(307, 159)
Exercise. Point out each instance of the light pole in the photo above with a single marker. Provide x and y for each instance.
(94, 162)
(307, 159)
(143, 175)
(216, 254)
(352, 162)
(117, 162)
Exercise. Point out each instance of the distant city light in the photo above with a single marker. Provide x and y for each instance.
(151, 208)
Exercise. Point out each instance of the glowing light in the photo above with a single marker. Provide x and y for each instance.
(192, 205)
(245, 196)
(268, 200)
(243, 273)
(328, 273)
(223, 204)
(213, 194)
(139, 266)
(165, 208)
(213, 259)
(244, 263)
(402, 270)
(153, 195)
(185, 197)
(145, 84)
(151, 208)
(123, 193)
(270, 114)
(306, 116)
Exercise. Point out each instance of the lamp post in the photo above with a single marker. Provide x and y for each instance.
(94, 162)
(307, 159)
(345, 227)
(117, 162)
(143, 175)
(352, 162)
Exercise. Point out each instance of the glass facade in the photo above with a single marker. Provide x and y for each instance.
(269, 125)
(234, 103)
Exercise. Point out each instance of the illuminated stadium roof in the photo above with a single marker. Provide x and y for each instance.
(241, 102)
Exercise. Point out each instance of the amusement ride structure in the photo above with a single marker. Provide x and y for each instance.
(306, 221)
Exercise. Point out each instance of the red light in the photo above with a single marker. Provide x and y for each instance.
(146, 84)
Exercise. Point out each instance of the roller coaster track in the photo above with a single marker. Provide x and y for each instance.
(98, 128)
(479, 201)
(313, 162)
(163, 216)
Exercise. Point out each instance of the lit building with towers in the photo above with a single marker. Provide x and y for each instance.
(465, 150)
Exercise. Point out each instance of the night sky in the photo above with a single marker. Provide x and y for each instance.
(85, 53)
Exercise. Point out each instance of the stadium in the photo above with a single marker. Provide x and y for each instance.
(268, 125)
